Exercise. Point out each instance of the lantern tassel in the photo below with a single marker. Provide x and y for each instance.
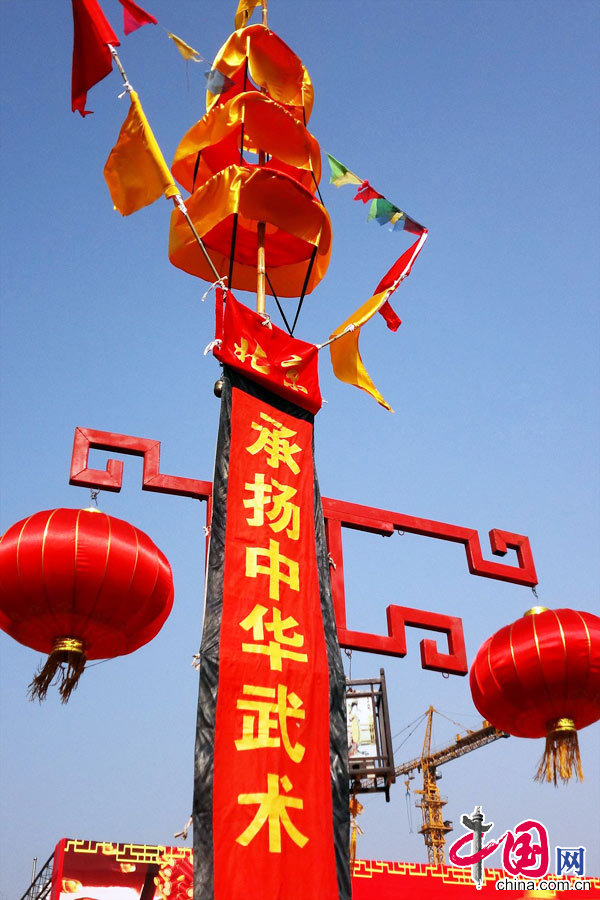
(64, 666)
(561, 758)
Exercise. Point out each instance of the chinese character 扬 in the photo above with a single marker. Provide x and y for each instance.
(282, 513)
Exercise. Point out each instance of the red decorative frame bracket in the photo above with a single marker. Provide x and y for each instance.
(111, 479)
(338, 514)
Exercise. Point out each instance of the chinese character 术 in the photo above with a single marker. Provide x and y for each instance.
(272, 809)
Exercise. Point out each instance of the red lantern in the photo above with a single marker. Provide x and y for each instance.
(79, 585)
(541, 676)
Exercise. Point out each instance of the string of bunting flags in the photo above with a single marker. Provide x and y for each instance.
(92, 36)
(343, 342)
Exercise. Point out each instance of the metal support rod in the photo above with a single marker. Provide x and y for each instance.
(260, 230)
(178, 201)
(114, 55)
(260, 266)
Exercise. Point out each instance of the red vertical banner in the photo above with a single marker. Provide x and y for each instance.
(270, 812)
(272, 803)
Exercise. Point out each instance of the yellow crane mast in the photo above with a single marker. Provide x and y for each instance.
(434, 827)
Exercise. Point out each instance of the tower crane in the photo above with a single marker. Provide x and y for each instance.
(434, 827)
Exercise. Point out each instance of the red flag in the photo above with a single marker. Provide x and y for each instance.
(399, 271)
(266, 354)
(366, 193)
(134, 16)
(91, 57)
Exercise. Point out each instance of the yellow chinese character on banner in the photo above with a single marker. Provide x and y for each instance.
(273, 568)
(283, 633)
(269, 712)
(291, 377)
(275, 443)
(291, 381)
(282, 514)
(241, 351)
(272, 809)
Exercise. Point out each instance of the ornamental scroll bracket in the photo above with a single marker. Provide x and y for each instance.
(338, 514)
(111, 478)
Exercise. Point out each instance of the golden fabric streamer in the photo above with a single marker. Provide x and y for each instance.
(345, 355)
(136, 172)
(244, 11)
(186, 51)
(271, 65)
(267, 126)
(295, 224)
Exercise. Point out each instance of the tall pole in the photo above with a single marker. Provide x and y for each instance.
(261, 227)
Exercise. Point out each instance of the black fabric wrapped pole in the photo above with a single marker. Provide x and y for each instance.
(250, 840)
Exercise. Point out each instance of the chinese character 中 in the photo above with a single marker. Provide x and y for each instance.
(282, 514)
(268, 711)
(274, 568)
(275, 442)
(273, 808)
(520, 854)
(283, 634)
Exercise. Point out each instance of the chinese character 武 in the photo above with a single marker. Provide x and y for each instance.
(267, 712)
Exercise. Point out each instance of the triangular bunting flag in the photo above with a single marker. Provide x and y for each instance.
(134, 16)
(186, 51)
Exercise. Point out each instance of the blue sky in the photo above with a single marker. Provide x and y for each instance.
(478, 119)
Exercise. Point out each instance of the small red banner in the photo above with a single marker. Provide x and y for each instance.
(272, 805)
(251, 344)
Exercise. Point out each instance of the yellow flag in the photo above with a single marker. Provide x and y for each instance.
(186, 51)
(244, 11)
(136, 172)
(345, 356)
